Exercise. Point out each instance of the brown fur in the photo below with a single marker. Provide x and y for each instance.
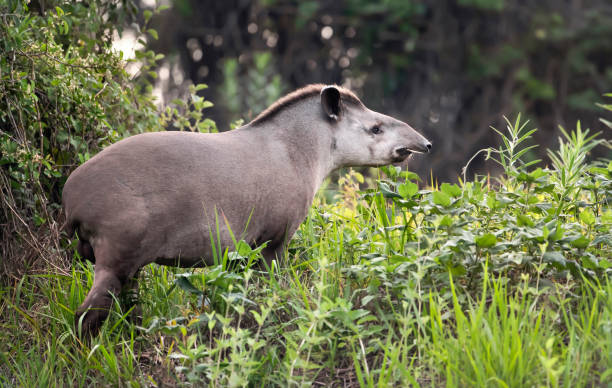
(299, 95)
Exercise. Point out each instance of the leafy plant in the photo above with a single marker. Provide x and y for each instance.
(64, 95)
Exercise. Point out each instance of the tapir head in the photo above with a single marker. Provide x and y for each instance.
(363, 137)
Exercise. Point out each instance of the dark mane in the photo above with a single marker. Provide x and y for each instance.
(299, 95)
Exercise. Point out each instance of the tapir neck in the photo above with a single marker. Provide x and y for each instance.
(312, 149)
(306, 140)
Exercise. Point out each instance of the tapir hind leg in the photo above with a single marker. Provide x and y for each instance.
(129, 299)
(94, 310)
(85, 250)
(113, 270)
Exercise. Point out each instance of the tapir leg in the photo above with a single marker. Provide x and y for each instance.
(129, 299)
(276, 247)
(273, 253)
(98, 302)
(113, 270)
(86, 251)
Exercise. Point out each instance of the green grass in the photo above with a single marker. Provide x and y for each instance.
(488, 283)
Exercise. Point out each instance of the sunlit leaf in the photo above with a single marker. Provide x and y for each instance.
(407, 189)
(441, 198)
(452, 190)
(487, 240)
(581, 242)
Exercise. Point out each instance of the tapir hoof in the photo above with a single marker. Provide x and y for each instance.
(90, 321)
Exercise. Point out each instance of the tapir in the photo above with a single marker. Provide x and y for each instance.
(170, 197)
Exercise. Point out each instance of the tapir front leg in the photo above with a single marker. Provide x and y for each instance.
(275, 249)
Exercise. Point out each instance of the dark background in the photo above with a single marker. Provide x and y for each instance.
(449, 68)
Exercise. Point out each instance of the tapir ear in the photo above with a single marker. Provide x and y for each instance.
(330, 101)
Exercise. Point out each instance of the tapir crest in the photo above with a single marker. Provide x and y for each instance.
(154, 197)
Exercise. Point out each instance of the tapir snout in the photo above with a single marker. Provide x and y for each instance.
(415, 144)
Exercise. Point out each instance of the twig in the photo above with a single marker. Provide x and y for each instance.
(44, 54)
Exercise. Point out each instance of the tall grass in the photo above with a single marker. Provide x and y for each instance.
(500, 284)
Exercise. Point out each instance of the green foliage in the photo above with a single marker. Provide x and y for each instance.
(461, 284)
(187, 115)
(64, 95)
(250, 89)
(607, 107)
(456, 285)
(496, 5)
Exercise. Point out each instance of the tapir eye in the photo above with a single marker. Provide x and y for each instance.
(376, 130)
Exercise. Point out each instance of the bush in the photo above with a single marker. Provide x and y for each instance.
(64, 95)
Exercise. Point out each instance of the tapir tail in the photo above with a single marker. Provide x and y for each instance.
(69, 228)
(84, 248)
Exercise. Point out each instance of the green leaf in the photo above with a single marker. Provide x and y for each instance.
(607, 217)
(147, 15)
(556, 259)
(358, 177)
(487, 240)
(408, 189)
(492, 201)
(446, 221)
(524, 177)
(537, 173)
(457, 270)
(386, 191)
(185, 284)
(589, 262)
(557, 234)
(153, 33)
(581, 242)
(409, 175)
(441, 198)
(587, 216)
(523, 220)
(452, 190)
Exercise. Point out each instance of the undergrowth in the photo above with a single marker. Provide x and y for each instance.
(500, 282)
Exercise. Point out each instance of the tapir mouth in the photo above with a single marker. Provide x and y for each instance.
(402, 153)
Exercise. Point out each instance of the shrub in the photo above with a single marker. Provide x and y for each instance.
(64, 94)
